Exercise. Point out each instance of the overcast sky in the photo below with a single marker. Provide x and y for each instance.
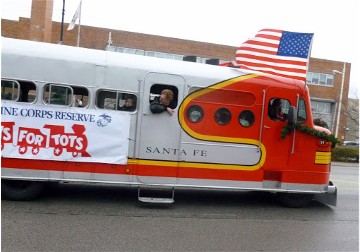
(230, 22)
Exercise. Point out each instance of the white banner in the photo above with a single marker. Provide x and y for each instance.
(64, 134)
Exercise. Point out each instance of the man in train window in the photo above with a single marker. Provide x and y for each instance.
(275, 110)
(162, 103)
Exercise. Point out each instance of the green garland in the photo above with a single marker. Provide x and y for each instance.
(286, 130)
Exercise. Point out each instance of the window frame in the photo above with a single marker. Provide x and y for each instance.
(250, 120)
(120, 96)
(284, 107)
(329, 79)
(155, 91)
(3, 93)
(219, 114)
(302, 101)
(49, 92)
(72, 97)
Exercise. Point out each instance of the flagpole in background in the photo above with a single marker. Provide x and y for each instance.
(62, 24)
(308, 58)
(78, 35)
(76, 16)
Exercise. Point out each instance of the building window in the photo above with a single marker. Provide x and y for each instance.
(330, 80)
(159, 55)
(153, 54)
(139, 52)
(323, 110)
(178, 57)
(320, 79)
(150, 54)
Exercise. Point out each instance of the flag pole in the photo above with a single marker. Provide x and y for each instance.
(78, 33)
(308, 59)
(62, 24)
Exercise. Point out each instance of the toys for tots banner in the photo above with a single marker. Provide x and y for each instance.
(66, 134)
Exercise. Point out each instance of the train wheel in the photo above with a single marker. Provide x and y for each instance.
(20, 190)
(295, 200)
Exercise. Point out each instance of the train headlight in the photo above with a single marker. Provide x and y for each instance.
(195, 113)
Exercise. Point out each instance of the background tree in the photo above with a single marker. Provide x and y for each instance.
(351, 110)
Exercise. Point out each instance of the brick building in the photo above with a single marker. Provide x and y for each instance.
(328, 80)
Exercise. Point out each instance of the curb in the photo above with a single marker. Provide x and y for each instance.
(345, 164)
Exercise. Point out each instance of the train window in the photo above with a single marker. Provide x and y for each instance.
(27, 91)
(194, 113)
(302, 111)
(20, 91)
(65, 95)
(115, 100)
(106, 99)
(80, 96)
(10, 90)
(126, 102)
(223, 116)
(246, 118)
(278, 109)
(58, 94)
(156, 89)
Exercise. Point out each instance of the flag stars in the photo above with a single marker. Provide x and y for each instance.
(295, 44)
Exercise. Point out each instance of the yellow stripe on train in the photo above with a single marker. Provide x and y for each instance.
(194, 165)
(322, 157)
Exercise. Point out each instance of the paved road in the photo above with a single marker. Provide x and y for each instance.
(79, 218)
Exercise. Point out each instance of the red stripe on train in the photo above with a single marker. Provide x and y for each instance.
(168, 171)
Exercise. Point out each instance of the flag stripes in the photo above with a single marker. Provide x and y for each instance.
(276, 52)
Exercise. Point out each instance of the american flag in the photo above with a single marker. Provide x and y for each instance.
(276, 52)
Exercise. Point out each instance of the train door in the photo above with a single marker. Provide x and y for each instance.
(278, 150)
(158, 148)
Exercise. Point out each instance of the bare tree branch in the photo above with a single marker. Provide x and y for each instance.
(351, 110)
